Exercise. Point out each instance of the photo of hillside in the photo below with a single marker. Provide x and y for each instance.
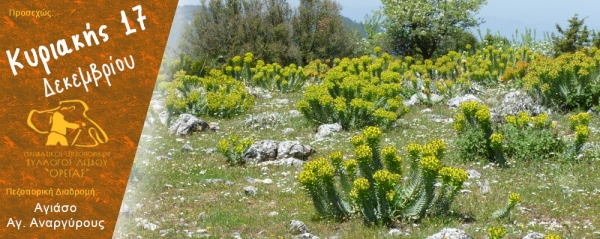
(401, 119)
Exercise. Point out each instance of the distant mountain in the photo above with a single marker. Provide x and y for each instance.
(185, 15)
(355, 25)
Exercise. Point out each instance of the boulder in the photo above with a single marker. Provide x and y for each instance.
(162, 157)
(450, 233)
(473, 174)
(592, 110)
(187, 124)
(417, 98)
(282, 101)
(534, 235)
(249, 179)
(214, 126)
(306, 236)
(163, 116)
(456, 101)
(326, 130)
(414, 99)
(517, 101)
(298, 227)
(287, 131)
(485, 187)
(210, 151)
(395, 232)
(295, 113)
(250, 190)
(294, 149)
(187, 148)
(264, 150)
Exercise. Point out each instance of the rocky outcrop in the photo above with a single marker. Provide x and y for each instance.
(456, 101)
(326, 130)
(515, 102)
(450, 233)
(187, 124)
(264, 150)
(285, 153)
(294, 149)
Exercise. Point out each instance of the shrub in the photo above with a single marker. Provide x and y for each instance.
(287, 79)
(579, 124)
(355, 93)
(373, 183)
(523, 137)
(573, 38)
(492, 64)
(446, 76)
(579, 119)
(570, 81)
(270, 76)
(192, 67)
(317, 179)
(443, 77)
(504, 212)
(215, 95)
(517, 73)
(496, 232)
(552, 236)
(316, 70)
(536, 137)
(531, 138)
(471, 145)
(476, 138)
(233, 149)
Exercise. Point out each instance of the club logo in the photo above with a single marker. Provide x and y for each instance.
(65, 124)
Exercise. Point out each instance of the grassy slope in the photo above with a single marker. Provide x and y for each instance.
(566, 193)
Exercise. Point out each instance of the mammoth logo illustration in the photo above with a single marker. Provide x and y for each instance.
(65, 123)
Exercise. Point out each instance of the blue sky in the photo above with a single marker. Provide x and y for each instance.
(504, 16)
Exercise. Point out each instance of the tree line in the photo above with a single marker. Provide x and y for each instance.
(275, 32)
(270, 29)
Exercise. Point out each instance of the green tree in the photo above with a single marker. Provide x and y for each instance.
(375, 34)
(204, 35)
(573, 38)
(373, 24)
(456, 42)
(226, 28)
(320, 31)
(596, 39)
(420, 26)
(278, 44)
(270, 29)
(490, 39)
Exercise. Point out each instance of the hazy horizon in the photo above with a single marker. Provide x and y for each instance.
(504, 16)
